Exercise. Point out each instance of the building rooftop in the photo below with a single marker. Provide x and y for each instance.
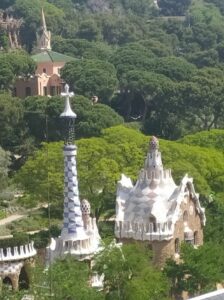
(149, 209)
(51, 56)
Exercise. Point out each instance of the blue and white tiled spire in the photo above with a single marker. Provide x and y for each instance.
(73, 227)
(79, 235)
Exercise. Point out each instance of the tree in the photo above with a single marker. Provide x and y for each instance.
(16, 63)
(4, 168)
(91, 77)
(102, 160)
(6, 3)
(139, 91)
(81, 48)
(209, 139)
(131, 57)
(74, 284)
(42, 116)
(11, 122)
(199, 271)
(174, 7)
(129, 274)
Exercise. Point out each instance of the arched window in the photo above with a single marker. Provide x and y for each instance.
(23, 279)
(196, 242)
(185, 216)
(177, 245)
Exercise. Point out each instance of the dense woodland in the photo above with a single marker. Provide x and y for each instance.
(156, 71)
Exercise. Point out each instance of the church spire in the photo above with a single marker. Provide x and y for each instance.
(43, 35)
(43, 21)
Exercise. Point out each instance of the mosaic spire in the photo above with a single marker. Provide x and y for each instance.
(154, 161)
(73, 228)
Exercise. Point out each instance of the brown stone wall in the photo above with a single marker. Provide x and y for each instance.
(162, 250)
(193, 222)
(166, 249)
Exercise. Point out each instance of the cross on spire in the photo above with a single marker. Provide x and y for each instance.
(67, 113)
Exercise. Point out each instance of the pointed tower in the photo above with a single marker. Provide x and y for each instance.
(43, 36)
(79, 235)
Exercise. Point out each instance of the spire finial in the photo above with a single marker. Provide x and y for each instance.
(67, 113)
(44, 26)
(154, 144)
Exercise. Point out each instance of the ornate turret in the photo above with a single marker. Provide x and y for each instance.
(43, 36)
(153, 162)
(73, 227)
(156, 210)
(79, 235)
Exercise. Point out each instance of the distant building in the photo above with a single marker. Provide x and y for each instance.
(47, 80)
(157, 211)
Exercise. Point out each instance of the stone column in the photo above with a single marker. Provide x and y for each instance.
(15, 281)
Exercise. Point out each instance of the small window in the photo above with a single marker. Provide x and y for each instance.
(44, 70)
(28, 91)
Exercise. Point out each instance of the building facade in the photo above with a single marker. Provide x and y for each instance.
(47, 80)
(157, 211)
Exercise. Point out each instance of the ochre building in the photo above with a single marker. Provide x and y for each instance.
(47, 80)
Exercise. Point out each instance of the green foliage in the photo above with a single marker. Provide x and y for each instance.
(4, 168)
(6, 3)
(18, 239)
(91, 77)
(74, 282)
(102, 160)
(174, 7)
(81, 48)
(42, 113)
(128, 273)
(11, 122)
(16, 63)
(209, 139)
(199, 271)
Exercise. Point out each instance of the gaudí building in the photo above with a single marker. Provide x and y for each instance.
(79, 235)
(157, 211)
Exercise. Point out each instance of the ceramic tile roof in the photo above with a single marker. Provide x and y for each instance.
(51, 56)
